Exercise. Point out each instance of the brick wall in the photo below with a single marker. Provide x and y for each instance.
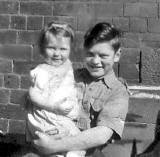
(20, 24)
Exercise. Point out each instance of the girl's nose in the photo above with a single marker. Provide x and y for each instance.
(56, 52)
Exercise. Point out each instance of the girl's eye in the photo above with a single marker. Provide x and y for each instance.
(51, 48)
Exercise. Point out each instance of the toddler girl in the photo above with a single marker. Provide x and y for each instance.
(52, 93)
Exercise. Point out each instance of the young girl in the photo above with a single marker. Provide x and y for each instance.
(53, 95)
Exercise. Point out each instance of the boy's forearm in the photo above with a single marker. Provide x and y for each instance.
(87, 139)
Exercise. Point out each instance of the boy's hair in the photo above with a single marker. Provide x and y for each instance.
(102, 32)
(56, 29)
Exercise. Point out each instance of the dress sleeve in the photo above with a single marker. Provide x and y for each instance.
(114, 111)
(32, 75)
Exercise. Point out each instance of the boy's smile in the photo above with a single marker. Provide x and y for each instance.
(57, 50)
(100, 58)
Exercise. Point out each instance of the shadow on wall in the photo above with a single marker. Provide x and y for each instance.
(153, 150)
(11, 148)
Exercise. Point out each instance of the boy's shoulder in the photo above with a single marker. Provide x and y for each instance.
(122, 84)
(115, 83)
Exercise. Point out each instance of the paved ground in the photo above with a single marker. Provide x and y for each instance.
(13, 150)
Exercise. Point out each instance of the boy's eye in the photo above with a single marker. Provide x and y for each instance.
(104, 56)
(63, 48)
(90, 54)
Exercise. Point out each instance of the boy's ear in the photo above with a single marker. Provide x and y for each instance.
(117, 55)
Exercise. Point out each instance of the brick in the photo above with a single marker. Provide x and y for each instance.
(132, 40)
(77, 55)
(1, 80)
(150, 66)
(85, 21)
(8, 7)
(18, 97)
(130, 55)
(68, 19)
(16, 131)
(4, 21)
(143, 110)
(79, 39)
(130, 43)
(5, 66)
(133, 36)
(16, 52)
(151, 37)
(151, 44)
(154, 25)
(141, 9)
(4, 95)
(138, 131)
(138, 25)
(28, 37)
(3, 125)
(16, 126)
(8, 37)
(11, 81)
(18, 22)
(148, 1)
(106, 9)
(12, 143)
(130, 72)
(121, 23)
(66, 8)
(12, 112)
(131, 1)
(23, 67)
(25, 82)
(34, 23)
(37, 57)
(36, 8)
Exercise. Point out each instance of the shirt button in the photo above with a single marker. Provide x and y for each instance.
(92, 116)
(90, 89)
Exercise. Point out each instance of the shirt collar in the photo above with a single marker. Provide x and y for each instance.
(110, 79)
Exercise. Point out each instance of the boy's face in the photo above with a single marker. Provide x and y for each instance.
(57, 49)
(100, 58)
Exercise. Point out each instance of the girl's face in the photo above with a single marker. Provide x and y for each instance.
(57, 49)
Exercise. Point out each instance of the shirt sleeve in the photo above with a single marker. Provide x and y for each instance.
(114, 111)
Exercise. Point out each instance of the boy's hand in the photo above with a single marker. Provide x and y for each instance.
(64, 107)
(44, 143)
(58, 133)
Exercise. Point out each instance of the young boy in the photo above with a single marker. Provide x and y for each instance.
(53, 95)
(103, 96)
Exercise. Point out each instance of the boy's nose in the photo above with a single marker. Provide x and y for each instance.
(96, 60)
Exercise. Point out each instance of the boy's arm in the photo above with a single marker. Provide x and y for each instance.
(87, 139)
